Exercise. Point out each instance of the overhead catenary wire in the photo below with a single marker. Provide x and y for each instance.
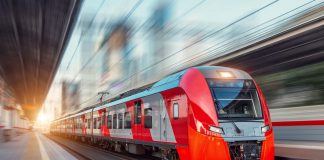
(287, 18)
(84, 33)
(206, 36)
(163, 59)
(204, 52)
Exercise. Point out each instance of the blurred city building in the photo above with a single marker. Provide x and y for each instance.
(12, 118)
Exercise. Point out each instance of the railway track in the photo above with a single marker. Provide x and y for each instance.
(84, 151)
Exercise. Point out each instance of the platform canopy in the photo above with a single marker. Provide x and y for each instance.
(33, 36)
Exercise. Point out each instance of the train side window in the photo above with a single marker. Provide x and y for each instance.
(120, 121)
(89, 123)
(109, 123)
(175, 111)
(137, 112)
(75, 123)
(94, 123)
(79, 123)
(115, 121)
(99, 123)
(103, 121)
(148, 118)
(127, 120)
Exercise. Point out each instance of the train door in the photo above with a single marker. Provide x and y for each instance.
(174, 116)
(153, 111)
(104, 122)
(167, 133)
(73, 125)
(138, 119)
(163, 120)
(147, 121)
(83, 124)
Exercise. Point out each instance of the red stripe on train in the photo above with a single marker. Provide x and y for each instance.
(299, 123)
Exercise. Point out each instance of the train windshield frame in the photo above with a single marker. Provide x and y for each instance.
(235, 99)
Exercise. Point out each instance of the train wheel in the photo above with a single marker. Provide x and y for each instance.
(168, 154)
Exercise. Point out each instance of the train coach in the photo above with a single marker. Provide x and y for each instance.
(206, 112)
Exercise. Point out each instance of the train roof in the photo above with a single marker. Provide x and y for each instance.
(173, 80)
(210, 72)
(169, 82)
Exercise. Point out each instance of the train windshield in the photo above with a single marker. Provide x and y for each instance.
(235, 99)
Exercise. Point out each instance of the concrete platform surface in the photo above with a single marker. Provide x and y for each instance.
(33, 146)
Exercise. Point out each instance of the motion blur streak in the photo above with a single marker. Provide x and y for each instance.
(115, 51)
(279, 43)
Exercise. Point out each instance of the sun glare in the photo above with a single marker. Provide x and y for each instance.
(42, 118)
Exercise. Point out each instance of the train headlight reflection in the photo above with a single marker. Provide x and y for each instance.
(216, 129)
(265, 129)
(226, 74)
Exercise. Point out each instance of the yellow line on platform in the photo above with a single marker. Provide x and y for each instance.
(42, 149)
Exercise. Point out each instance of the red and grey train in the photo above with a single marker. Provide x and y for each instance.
(206, 112)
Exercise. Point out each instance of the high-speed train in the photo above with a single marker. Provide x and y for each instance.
(207, 112)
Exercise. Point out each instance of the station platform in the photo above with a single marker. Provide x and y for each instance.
(33, 145)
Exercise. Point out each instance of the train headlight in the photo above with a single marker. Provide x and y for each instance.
(216, 129)
(265, 129)
(226, 74)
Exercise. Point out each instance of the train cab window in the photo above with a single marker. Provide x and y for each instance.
(109, 123)
(115, 121)
(148, 118)
(127, 120)
(235, 99)
(175, 111)
(120, 121)
(99, 123)
(137, 112)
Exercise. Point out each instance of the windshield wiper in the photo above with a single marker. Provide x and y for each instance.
(237, 129)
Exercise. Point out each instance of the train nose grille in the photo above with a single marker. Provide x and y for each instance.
(245, 150)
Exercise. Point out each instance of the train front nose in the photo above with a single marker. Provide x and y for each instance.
(247, 143)
(231, 120)
(243, 118)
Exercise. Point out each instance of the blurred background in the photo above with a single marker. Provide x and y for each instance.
(116, 46)
(120, 45)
